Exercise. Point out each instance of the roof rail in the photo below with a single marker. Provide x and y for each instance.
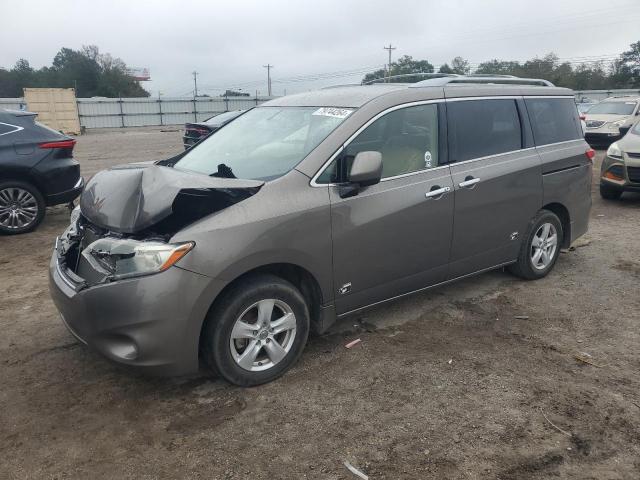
(405, 75)
(487, 79)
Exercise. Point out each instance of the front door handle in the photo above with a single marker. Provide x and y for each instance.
(468, 182)
(437, 191)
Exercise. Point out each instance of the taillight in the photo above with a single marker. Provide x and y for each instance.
(199, 131)
(583, 117)
(58, 144)
(590, 153)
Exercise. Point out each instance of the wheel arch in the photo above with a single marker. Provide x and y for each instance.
(562, 213)
(298, 276)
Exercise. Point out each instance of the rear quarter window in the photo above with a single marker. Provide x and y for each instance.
(553, 120)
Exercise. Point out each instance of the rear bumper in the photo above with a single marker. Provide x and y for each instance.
(151, 324)
(66, 196)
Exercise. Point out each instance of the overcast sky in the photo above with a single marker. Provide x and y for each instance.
(229, 42)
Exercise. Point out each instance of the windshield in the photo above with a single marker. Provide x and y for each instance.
(264, 143)
(613, 108)
(636, 129)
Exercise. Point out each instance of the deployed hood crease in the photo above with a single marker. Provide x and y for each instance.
(133, 198)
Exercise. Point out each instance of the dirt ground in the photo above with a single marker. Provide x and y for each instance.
(476, 380)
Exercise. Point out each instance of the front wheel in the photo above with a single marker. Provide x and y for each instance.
(256, 331)
(540, 247)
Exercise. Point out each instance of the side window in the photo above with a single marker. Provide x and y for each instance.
(553, 120)
(407, 138)
(479, 128)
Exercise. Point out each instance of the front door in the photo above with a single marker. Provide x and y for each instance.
(393, 237)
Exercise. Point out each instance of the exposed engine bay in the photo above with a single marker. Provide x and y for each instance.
(128, 214)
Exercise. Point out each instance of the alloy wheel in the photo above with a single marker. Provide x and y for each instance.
(18, 208)
(263, 335)
(543, 246)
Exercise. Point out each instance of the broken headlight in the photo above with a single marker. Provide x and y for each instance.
(124, 258)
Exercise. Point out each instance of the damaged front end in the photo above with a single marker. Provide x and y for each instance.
(127, 216)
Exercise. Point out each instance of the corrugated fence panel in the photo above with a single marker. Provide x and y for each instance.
(136, 112)
(12, 103)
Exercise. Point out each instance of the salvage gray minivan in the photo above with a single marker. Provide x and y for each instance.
(314, 206)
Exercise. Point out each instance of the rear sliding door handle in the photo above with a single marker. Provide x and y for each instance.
(437, 192)
(468, 182)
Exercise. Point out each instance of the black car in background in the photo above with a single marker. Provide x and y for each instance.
(194, 132)
(37, 170)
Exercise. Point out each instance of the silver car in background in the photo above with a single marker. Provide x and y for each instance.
(313, 206)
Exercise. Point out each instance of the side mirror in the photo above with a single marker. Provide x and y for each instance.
(366, 169)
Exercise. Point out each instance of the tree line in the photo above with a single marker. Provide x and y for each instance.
(623, 72)
(91, 73)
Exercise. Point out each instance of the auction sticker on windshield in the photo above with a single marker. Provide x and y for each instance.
(333, 112)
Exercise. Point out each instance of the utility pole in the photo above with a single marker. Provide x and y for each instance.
(195, 83)
(390, 49)
(268, 67)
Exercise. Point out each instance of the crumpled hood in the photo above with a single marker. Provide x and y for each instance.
(133, 198)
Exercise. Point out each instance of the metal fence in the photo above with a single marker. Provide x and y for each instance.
(139, 112)
(598, 95)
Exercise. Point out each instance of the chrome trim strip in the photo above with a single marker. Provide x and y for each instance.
(321, 170)
(548, 96)
(560, 143)
(426, 288)
(454, 163)
(17, 128)
(489, 97)
(79, 182)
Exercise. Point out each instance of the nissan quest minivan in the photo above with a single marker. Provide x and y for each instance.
(314, 206)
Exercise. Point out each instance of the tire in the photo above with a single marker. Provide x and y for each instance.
(610, 193)
(22, 197)
(525, 266)
(276, 351)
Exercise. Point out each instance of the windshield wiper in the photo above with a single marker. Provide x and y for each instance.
(223, 172)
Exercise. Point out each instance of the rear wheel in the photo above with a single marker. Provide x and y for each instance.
(22, 207)
(610, 193)
(540, 247)
(257, 331)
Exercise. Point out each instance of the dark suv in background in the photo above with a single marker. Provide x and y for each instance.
(311, 207)
(194, 132)
(37, 170)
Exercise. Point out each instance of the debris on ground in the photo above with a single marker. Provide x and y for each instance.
(395, 334)
(584, 357)
(522, 317)
(355, 471)
(353, 343)
(450, 361)
(554, 425)
(600, 215)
